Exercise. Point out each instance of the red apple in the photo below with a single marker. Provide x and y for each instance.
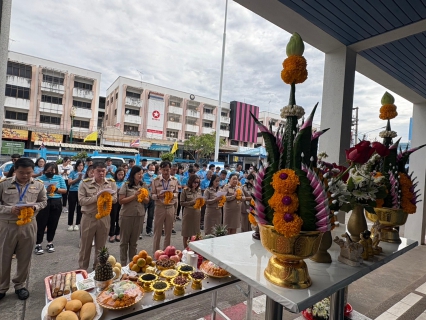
(175, 258)
(170, 251)
(158, 253)
(179, 254)
(163, 257)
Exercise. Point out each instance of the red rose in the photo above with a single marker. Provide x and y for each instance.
(360, 153)
(380, 148)
(342, 169)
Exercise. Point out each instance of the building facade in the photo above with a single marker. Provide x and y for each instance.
(266, 117)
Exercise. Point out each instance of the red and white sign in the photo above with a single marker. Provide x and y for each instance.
(155, 118)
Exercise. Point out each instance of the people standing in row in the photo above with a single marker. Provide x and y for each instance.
(179, 176)
(164, 212)
(110, 168)
(64, 170)
(132, 214)
(144, 164)
(20, 239)
(87, 164)
(232, 206)
(92, 227)
(148, 178)
(223, 180)
(204, 184)
(39, 167)
(191, 218)
(245, 205)
(213, 214)
(49, 216)
(14, 157)
(74, 180)
(114, 229)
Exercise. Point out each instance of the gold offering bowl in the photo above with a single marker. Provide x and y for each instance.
(159, 293)
(169, 274)
(147, 279)
(197, 283)
(389, 219)
(286, 267)
(185, 273)
(179, 289)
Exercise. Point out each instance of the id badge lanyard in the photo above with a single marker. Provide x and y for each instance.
(22, 195)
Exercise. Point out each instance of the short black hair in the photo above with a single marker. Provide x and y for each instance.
(144, 160)
(165, 164)
(99, 164)
(131, 161)
(204, 165)
(108, 159)
(15, 156)
(226, 166)
(24, 163)
(131, 179)
(214, 176)
(89, 159)
(66, 159)
(196, 165)
(212, 166)
(224, 172)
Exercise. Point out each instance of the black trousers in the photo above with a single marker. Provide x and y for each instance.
(65, 195)
(72, 204)
(150, 218)
(178, 207)
(114, 229)
(49, 217)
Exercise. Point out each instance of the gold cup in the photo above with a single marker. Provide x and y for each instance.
(389, 219)
(286, 267)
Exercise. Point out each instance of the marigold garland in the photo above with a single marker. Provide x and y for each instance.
(252, 202)
(25, 216)
(168, 197)
(52, 190)
(199, 203)
(388, 111)
(252, 219)
(282, 202)
(288, 229)
(285, 180)
(407, 195)
(104, 205)
(238, 194)
(143, 194)
(221, 202)
(294, 70)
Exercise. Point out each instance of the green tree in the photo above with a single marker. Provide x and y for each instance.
(202, 147)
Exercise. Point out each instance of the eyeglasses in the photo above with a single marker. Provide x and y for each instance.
(196, 182)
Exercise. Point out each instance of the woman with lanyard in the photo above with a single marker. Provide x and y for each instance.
(38, 168)
(245, 205)
(114, 229)
(179, 177)
(213, 211)
(191, 218)
(132, 214)
(49, 216)
(74, 179)
(232, 207)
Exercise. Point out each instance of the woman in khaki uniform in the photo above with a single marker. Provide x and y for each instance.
(213, 212)
(247, 191)
(232, 207)
(132, 214)
(191, 217)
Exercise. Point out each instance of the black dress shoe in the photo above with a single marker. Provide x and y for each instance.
(2, 295)
(23, 294)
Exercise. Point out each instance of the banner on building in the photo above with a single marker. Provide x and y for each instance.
(11, 147)
(46, 137)
(155, 120)
(14, 134)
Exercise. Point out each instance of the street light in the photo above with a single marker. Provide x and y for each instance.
(72, 115)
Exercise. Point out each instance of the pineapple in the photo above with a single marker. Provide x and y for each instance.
(103, 271)
(220, 230)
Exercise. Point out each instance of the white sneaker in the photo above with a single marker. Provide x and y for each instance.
(70, 228)
(64, 210)
(93, 243)
(76, 228)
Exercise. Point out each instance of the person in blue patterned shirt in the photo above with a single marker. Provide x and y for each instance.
(74, 179)
(223, 178)
(38, 168)
(110, 168)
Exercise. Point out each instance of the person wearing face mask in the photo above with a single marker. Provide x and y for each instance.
(245, 205)
(213, 214)
(232, 207)
(49, 216)
(148, 177)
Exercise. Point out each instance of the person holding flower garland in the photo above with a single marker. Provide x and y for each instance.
(213, 205)
(96, 208)
(21, 188)
(74, 179)
(191, 218)
(49, 216)
(245, 205)
(133, 196)
(114, 229)
(232, 208)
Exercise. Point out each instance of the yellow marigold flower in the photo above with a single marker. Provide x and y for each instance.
(52, 190)
(104, 204)
(143, 194)
(199, 203)
(238, 194)
(388, 111)
(25, 215)
(284, 202)
(406, 184)
(168, 197)
(221, 202)
(285, 181)
(294, 70)
(287, 229)
(252, 219)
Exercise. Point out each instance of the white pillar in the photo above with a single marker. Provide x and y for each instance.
(337, 102)
(415, 226)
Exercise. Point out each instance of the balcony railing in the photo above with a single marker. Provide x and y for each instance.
(83, 93)
(52, 87)
(209, 116)
(51, 108)
(192, 128)
(175, 110)
(225, 119)
(17, 103)
(134, 102)
(132, 119)
(207, 130)
(83, 113)
(224, 133)
(18, 81)
(174, 125)
(132, 133)
(192, 113)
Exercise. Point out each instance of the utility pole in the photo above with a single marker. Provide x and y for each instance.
(355, 123)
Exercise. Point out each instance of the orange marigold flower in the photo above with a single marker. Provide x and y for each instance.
(104, 204)
(282, 202)
(285, 181)
(252, 219)
(221, 202)
(168, 197)
(287, 229)
(388, 111)
(294, 70)
(25, 215)
(406, 184)
(378, 174)
(143, 194)
(199, 203)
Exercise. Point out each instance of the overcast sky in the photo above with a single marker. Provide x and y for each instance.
(177, 44)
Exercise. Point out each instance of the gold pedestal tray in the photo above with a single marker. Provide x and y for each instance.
(389, 219)
(159, 294)
(286, 267)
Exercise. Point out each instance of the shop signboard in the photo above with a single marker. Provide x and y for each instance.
(14, 134)
(11, 147)
(46, 137)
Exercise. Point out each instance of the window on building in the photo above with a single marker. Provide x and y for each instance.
(130, 128)
(174, 104)
(224, 127)
(52, 79)
(112, 99)
(208, 111)
(132, 112)
(188, 135)
(191, 122)
(234, 143)
(173, 118)
(100, 122)
(130, 94)
(106, 117)
(116, 95)
(51, 99)
(16, 115)
(81, 123)
(115, 112)
(224, 114)
(259, 134)
(207, 124)
(245, 144)
(19, 70)
(82, 85)
(50, 120)
(81, 104)
(273, 122)
(17, 92)
(107, 102)
(171, 134)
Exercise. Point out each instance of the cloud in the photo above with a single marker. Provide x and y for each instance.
(178, 44)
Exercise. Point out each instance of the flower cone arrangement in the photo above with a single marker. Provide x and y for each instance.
(104, 205)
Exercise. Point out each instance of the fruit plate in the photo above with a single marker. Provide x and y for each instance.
(308, 315)
(99, 310)
(105, 299)
(203, 268)
(79, 276)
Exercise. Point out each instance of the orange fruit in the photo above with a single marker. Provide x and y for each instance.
(143, 269)
(135, 268)
(143, 254)
(148, 260)
(141, 262)
(135, 259)
(131, 265)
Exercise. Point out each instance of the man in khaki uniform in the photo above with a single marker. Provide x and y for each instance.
(164, 214)
(91, 227)
(22, 189)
